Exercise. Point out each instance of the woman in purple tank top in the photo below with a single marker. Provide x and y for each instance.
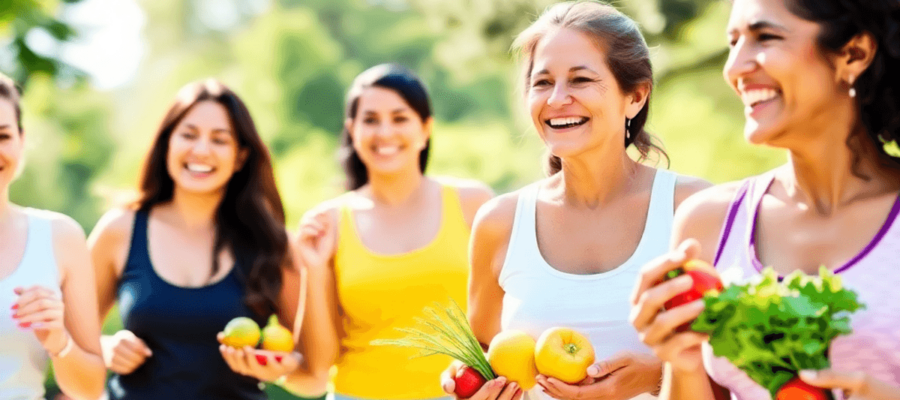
(818, 78)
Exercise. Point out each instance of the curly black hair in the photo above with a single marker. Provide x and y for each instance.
(878, 88)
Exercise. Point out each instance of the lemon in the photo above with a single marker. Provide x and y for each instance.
(240, 332)
(511, 354)
(276, 337)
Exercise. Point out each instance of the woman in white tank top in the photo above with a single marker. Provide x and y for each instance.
(565, 250)
(46, 282)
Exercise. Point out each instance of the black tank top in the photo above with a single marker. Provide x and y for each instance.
(179, 325)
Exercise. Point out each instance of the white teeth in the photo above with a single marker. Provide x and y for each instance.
(387, 150)
(563, 122)
(199, 168)
(752, 97)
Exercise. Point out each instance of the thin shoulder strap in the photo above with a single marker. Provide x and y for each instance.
(523, 243)
(733, 210)
(138, 254)
(662, 197)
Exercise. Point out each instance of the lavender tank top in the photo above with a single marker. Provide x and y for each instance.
(874, 273)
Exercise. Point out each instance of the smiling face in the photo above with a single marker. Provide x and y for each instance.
(575, 101)
(203, 150)
(783, 79)
(12, 145)
(387, 133)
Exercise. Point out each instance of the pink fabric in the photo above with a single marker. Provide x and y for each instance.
(874, 345)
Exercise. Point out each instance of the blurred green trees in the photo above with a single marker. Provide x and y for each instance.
(292, 60)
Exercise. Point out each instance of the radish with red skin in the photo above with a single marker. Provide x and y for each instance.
(467, 382)
(797, 389)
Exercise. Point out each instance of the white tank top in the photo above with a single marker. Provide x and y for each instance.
(23, 361)
(538, 296)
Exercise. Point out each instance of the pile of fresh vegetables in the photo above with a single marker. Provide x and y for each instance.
(771, 330)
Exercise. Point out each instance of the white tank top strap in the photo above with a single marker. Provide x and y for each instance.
(662, 203)
(39, 264)
(523, 238)
(23, 361)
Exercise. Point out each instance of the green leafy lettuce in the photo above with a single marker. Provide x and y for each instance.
(771, 330)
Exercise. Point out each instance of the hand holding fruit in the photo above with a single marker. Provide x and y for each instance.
(124, 352)
(238, 341)
(41, 310)
(623, 377)
(659, 329)
(855, 385)
(465, 383)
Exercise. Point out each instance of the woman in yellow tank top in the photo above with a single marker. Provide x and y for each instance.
(394, 244)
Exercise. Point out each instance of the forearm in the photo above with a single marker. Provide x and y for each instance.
(80, 374)
(685, 385)
(306, 382)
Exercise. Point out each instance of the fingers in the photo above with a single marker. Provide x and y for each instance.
(129, 353)
(666, 323)
(854, 381)
(510, 391)
(236, 359)
(606, 367)
(678, 344)
(447, 382)
(490, 390)
(654, 271)
(651, 301)
(561, 390)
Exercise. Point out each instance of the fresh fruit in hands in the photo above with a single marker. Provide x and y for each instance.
(276, 337)
(563, 354)
(240, 332)
(796, 389)
(467, 382)
(705, 279)
(511, 354)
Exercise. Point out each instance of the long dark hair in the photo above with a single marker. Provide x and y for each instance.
(9, 91)
(626, 54)
(388, 76)
(250, 217)
(878, 87)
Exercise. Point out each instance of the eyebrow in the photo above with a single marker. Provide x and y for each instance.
(215, 130)
(573, 69)
(760, 25)
(395, 111)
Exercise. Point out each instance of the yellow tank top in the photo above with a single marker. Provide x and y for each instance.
(379, 293)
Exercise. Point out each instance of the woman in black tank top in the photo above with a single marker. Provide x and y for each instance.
(205, 243)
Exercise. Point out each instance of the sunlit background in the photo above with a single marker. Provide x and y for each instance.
(99, 74)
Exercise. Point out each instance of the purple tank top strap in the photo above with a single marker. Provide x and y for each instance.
(742, 216)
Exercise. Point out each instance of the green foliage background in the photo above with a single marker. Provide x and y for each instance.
(293, 61)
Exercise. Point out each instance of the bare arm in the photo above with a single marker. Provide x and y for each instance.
(123, 352)
(696, 227)
(80, 373)
(487, 252)
(320, 338)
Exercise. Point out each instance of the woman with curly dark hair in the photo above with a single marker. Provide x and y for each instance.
(819, 79)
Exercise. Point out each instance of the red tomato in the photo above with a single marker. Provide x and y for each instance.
(705, 279)
(796, 389)
(467, 381)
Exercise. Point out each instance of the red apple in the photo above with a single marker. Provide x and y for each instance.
(467, 381)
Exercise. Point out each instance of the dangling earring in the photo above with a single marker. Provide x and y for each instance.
(852, 89)
(627, 128)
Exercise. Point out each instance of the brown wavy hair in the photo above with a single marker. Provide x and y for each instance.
(9, 91)
(250, 217)
(626, 54)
